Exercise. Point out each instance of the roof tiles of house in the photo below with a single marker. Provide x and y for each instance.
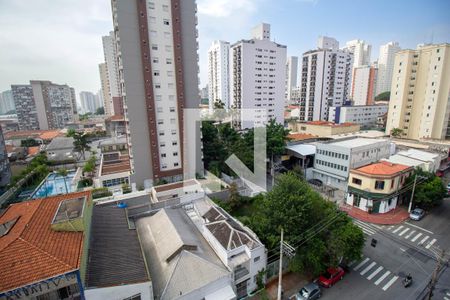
(300, 136)
(330, 124)
(382, 168)
(31, 251)
(42, 134)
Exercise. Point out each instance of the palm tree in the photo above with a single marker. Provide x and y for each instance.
(63, 172)
(81, 144)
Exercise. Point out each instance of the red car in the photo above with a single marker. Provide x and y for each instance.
(331, 276)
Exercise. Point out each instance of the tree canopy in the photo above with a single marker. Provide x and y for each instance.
(100, 111)
(429, 193)
(396, 132)
(383, 96)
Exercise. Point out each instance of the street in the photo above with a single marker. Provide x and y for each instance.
(407, 248)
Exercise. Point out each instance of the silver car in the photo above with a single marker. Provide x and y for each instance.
(417, 214)
(310, 291)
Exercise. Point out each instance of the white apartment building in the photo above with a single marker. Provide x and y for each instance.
(334, 159)
(107, 102)
(420, 93)
(364, 115)
(364, 83)
(158, 68)
(6, 102)
(386, 66)
(325, 81)
(110, 54)
(291, 77)
(219, 73)
(258, 77)
(361, 52)
(326, 42)
(89, 102)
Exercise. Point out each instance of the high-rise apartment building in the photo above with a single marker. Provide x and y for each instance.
(105, 88)
(5, 169)
(6, 102)
(219, 73)
(326, 42)
(89, 102)
(385, 66)
(291, 77)
(44, 105)
(158, 69)
(258, 71)
(361, 52)
(420, 97)
(112, 72)
(325, 81)
(364, 83)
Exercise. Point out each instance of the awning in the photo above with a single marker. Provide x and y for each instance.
(302, 149)
(225, 293)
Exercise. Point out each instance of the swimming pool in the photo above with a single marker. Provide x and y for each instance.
(54, 184)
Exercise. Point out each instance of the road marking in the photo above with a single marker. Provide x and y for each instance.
(424, 239)
(382, 277)
(416, 237)
(403, 232)
(394, 279)
(430, 232)
(448, 293)
(368, 268)
(445, 298)
(398, 228)
(361, 264)
(430, 244)
(374, 273)
(402, 249)
(365, 227)
(390, 227)
(409, 234)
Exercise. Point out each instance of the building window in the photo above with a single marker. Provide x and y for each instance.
(163, 155)
(175, 154)
(379, 184)
(356, 181)
(174, 143)
(155, 60)
(166, 22)
(161, 133)
(160, 109)
(158, 97)
(151, 5)
(175, 164)
(156, 73)
(165, 7)
(168, 61)
(160, 121)
(256, 259)
(172, 109)
(154, 47)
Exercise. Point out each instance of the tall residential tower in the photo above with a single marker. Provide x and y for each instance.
(386, 66)
(219, 73)
(158, 70)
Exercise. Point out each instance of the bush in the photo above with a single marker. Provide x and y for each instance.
(85, 182)
(101, 192)
(126, 189)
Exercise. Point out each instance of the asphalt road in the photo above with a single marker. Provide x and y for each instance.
(409, 247)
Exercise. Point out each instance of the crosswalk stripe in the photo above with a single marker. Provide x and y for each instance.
(403, 232)
(445, 298)
(361, 264)
(410, 234)
(382, 277)
(448, 293)
(390, 227)
(368, 268)
(430, 244)
(423, 240)
(393, 279)
(417, 236)
(365, 228)
(374, 273)
(398, 228)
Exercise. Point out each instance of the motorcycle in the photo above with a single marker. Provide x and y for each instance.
(407, 281)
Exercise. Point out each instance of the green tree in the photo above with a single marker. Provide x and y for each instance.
(383, 96)
(218, 104)
(71, 132)
(396, 132)
(30, 142)
(81, 143)
(430, 192)
(100, 111)
(63, 173)
(233, 197)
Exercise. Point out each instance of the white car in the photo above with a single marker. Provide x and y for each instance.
(417, 214)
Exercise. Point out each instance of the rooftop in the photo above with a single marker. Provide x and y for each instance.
(355, 142)
(42, 134)
(31, 251)
(119, 140)
(113, 163)
(382, 168)
(176, 185)
(330, 124)
(115, 252)
(404, 160)
(295, 136)
(115, 118)
(60, 143)
(420, 155)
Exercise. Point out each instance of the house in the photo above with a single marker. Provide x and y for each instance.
(177, 193)
(322, 128)
(334, 159)
(181, 262)
(41, 247)
(377, 188)
(61, 149)
(115, 125)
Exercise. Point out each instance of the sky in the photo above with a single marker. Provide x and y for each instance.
(60, 40)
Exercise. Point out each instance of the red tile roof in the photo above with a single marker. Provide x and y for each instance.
(33, 150)
(42, 134)
(300, 136)
(382, 168)
(116, 118)
(31, 250)
(119, 166)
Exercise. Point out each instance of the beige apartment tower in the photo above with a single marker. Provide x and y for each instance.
(420, 97)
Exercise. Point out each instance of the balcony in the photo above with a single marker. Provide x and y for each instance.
(240, 272)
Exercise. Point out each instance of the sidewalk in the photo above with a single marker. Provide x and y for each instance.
(395, 216)
(292, 283)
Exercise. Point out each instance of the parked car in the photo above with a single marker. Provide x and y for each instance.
(417, 214)
(311, 291)
(331, 276)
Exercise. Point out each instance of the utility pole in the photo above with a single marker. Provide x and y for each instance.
(434, 278)
(412, 194)
(280, 271)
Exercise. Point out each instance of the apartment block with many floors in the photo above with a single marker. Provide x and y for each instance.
(158, 69)
(364, 83)
(325, 82)
(364, 115)
(219, 73)
(258, 78)
(6, 102)
(420, 90)
(386, 66)
(291, 77)
(110, 54)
